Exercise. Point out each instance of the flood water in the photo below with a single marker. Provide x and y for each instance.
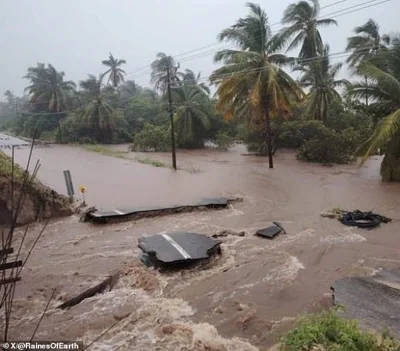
(241, 300)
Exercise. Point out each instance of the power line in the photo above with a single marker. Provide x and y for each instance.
(337, 13)
(204, 54)
(218, 43)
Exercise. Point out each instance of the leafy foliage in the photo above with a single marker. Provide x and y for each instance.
(319, 76)
(252, 84)
(152, 138)
(384, 89)
(327, 331)
(116, 74)
(191, 116)
(302, 18)
(224, 141)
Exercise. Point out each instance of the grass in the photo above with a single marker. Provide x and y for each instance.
(106, 151)
(329, 332)
(150, 161)
(6, 166)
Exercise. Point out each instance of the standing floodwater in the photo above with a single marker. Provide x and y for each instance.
(247, 292)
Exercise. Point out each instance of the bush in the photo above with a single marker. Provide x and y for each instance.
(223, 140)
(327, 331)
(152, 138)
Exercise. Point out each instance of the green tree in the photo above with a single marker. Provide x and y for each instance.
(190, 78)
(49, 92)
(384, 89)
(366, 45)
(303, 29)
(252, 83)
(116, 74)
(319, 76)
(97, 113)
(159, 74)
(192, 115)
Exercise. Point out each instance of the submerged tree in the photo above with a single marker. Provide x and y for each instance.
(320, 77)
(384, 89)
(251, 82)
(116, 74)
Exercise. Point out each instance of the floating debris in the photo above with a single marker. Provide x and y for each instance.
(270, 232)
(362, 219)
(108, 283)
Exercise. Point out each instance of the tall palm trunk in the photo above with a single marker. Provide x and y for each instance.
(268, 134)
(366, 93)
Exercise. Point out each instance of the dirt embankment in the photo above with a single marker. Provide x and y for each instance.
(39, 202)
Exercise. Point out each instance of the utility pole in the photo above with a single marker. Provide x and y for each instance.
(171, 117)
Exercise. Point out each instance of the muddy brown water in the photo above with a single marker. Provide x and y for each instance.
(241, 300)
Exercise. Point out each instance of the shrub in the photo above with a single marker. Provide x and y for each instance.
(223, 140)
(329, 147)
(327, 331)
(152, 138)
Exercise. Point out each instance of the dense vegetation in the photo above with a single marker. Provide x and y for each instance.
(328, 332)
(257, 98)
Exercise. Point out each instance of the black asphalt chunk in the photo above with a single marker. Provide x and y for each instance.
(178, 248)
(134, 213)
(270, 232)
(374, 301)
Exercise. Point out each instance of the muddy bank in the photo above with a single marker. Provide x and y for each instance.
(39, 202)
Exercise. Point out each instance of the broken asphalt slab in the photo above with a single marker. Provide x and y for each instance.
(178, 248)
(271, 232)
(134, 213)
(374, 301)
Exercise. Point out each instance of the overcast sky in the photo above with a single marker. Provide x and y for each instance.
(75, 35)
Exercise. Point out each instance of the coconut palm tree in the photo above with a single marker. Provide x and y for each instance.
(252, 83)
(116, 74)
(367, 44)
(384, 88)
(97, 113)
(192, 114)
(48, 91)
(319, 76)
(302, 18)
(189, 77)
(160, 68)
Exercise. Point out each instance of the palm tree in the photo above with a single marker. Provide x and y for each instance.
(384, 89)
(116, 74)
(161, 67)
(48, 91)
(304, 28)
(252, 82)
(367, 44)
(320, 77)
(192, 114)
(189, 77)
(97, 113)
